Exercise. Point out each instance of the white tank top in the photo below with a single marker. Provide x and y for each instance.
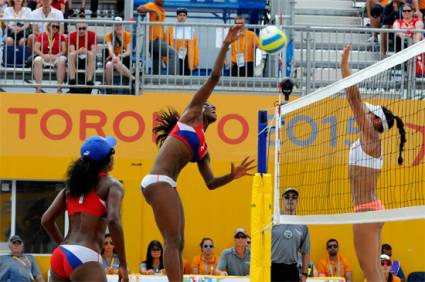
(358, 157)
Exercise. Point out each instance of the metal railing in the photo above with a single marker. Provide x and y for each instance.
(162, 64)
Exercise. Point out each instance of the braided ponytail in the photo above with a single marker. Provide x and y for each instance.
(402, 131)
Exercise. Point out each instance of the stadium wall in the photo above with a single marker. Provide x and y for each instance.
(41, 135)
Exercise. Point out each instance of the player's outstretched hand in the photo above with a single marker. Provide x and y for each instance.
(234, 33)
(345, 55)
(243, 169)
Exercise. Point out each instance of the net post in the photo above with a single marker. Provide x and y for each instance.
(262, 142)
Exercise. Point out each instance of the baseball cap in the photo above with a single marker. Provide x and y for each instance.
(15, 238)
(240, 230)
(98, 147)
(379, 112)
(118, 19)
(290, 189)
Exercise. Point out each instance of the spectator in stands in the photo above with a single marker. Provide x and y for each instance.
(235, 260)
(396, 269)
(334, 265)
(375, 9)
(386, 269)
(59, 5)
(118, 53)
(421, 6)
(154, 261)
(185, 41)
(392, 12)
(3, 6)
(17, 32)
(82, 53)
(46, 11)
(110, 259)
(408, 23)
(287, 241)
(50, 49)
(18, 266)
(243, 51)
(206, 262)
(159, 47)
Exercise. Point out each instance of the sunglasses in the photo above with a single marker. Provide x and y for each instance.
(55, 26)
(294, 197)
(332, 246)
(82, 28)
(407, 11)
(108, 243)
(207, 246)
(17, 243)
(386, 262)
(155, 249)
(240, 236)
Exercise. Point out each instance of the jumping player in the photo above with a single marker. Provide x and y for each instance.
(365, 163)
(93, 201)
(182, 140)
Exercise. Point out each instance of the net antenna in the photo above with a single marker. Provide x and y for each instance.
(317, 163)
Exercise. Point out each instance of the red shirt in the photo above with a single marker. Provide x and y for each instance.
(57, 4)
(55, 43)
(83, 41)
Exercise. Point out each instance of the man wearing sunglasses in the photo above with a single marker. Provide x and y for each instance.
(334, 265)
(287, 241)
(236, 260)
(82, 55)
(17, 266)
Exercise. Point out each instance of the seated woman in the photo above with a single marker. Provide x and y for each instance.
(50, 49)
(206, 262)
(110, 260)
(407, 23)
(118, 53)
(386, 269)
(153, 263)
(17, 32)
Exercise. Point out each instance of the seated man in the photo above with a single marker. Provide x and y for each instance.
(334, 265)
(17, 266)
(395, 266)
(82, 53)
(235, 260)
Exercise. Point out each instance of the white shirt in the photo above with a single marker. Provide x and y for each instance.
(9, 13)
(38, 14)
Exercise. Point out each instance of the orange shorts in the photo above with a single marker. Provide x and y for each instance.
(371, 206)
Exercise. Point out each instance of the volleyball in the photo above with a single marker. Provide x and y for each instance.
(272, 39)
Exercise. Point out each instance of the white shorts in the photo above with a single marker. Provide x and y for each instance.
(51, 63)
(155, 178)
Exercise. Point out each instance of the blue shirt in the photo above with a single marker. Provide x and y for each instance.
(18, 268)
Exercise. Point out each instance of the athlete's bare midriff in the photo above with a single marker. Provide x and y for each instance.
(172, 158)
(363, 184)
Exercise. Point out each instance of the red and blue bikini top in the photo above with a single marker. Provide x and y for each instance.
(193, 137)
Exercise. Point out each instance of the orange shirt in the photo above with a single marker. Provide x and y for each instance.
(191, 46)
(330, 268)
(117, 49)
(421, 4)
(156, 32)
(383, 2)
(246, 46)
(205, 267)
